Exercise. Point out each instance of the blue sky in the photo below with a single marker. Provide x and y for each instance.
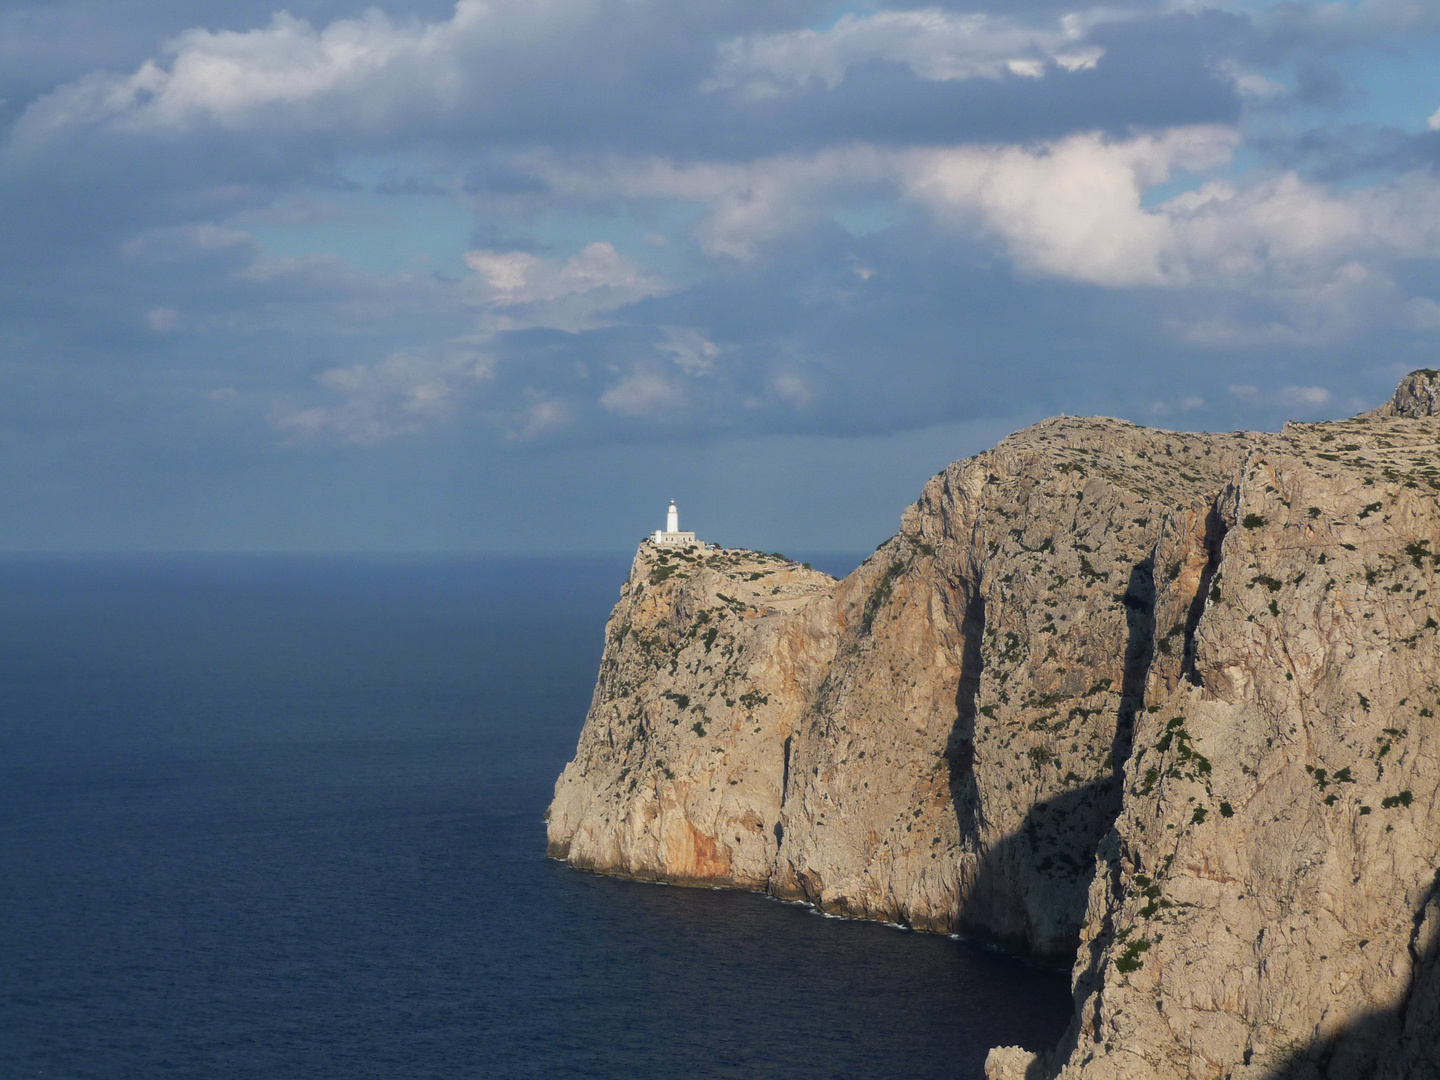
(507, 276)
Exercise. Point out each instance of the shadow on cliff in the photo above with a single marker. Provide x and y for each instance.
(1030, 890)
(1398, 1043)
(1029, 893)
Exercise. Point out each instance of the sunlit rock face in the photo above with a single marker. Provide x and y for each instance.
(712, 658)
(1417, 395)
(1161, 703)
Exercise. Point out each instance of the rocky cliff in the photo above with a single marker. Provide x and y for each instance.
(1159, 703)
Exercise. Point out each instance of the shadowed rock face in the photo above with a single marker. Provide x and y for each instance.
(1160, 703)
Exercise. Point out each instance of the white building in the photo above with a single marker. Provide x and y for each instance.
(672, 536)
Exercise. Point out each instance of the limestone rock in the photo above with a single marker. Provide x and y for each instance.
(1161, 703)
(1417, 395)
(1013, 1063)
(711, 658)
(1264, 908)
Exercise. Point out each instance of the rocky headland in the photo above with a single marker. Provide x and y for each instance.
(1158, 705)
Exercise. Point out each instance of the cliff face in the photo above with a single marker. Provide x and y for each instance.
(711, 661)
(1268, 900)
(1163, 703)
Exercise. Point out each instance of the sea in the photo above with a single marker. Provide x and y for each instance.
(280, 818)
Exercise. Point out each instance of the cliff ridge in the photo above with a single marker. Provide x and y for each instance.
(1157, 705)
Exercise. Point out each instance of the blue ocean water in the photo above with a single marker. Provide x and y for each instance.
(281, 818)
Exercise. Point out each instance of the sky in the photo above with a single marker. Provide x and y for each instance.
(506, 276)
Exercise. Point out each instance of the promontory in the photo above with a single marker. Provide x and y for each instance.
(1157, 705)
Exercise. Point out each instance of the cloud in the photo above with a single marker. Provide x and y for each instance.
(183, 243)
(237, 80)
(501, 65)
(612, 73)
(401, 395)
(934, 44)
(1305, 400)
(1331, 304)
(526, 290)
(227, 282)
(1075, 209)
(162, 319)
(643, 393)
(654, 217)
(1187, 403)
(537, 417)
(691, 350)
(1305, 395)
(793, 388)
(1071, 208)
(747, 204)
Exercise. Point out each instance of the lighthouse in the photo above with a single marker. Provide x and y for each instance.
(672, 536)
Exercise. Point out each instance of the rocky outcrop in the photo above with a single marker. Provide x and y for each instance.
(711, 661)
(1417, 395)
(1160, 703)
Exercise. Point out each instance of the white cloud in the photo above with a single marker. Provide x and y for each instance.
(1327, 304)
(691, 350)
(1434, 122)
(230, 78)
(649, 390)
(1293, 398)
(1070, 208)
(792, 388)
(1258, 87)
(537, 415)
(365, 75)
(934, 44)
(1189, 403)
(1286, 229)
(401, 395)
(1076, 209)
(523, 289)
(1304, 395)
(643, 393)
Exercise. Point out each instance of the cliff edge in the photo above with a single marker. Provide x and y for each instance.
(1159, 705)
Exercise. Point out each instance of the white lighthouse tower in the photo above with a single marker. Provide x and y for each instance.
(672, 536)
